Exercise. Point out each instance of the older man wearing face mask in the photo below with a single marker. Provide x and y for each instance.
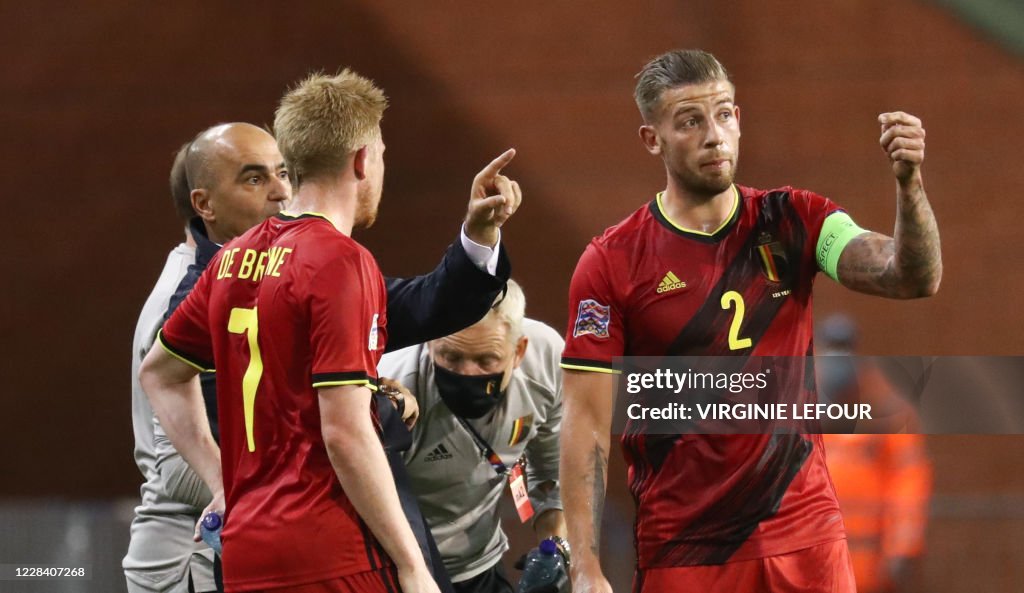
(490, 400)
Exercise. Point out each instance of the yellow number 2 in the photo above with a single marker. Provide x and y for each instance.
(244, 321)
(735, 341)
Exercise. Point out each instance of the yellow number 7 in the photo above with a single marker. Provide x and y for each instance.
(244, 321)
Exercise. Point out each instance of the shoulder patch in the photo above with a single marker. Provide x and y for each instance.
(374, 331)
(592, 318)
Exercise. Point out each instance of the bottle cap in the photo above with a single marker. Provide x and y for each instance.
(212, 521)
(548, 547)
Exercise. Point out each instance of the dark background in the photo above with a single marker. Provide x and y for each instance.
(96, 99)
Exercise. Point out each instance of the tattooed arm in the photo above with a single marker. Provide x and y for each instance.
(586, 428)
(909, 264)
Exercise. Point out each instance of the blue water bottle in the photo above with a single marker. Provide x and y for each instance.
(209, 529)
(544, 570)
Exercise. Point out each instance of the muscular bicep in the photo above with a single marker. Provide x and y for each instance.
(587, 399)
(161, 369)
(344, 411)
(868, 264)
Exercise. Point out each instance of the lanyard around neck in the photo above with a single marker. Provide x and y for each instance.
(485, 448)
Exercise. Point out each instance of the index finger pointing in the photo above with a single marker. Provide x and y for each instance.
(495, 166)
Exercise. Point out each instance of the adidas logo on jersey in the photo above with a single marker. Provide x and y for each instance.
(670, 282)
(440, 453)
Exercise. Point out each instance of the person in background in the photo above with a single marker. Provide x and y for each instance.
(292, 314)
(228, 178)
(161, 554)
(883, 481)
(490, 401)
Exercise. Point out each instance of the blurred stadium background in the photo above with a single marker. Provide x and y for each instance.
(96, 99)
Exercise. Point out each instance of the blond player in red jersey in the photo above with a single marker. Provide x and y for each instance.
(293, 316)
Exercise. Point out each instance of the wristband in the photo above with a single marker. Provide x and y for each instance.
(397, 398)
(563, 548)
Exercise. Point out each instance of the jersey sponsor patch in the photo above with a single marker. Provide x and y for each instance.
(592, 318)
(670, 282)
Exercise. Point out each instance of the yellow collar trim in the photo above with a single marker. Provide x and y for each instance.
(294, 215)
(732, 212)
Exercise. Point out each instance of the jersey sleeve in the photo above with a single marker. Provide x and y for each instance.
(829, 229)
(186, 333)
(595, 334)
(345, 321)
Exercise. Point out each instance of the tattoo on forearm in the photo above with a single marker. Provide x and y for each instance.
(908, 265)
(868, 264)
(600, 461)
(918, 253)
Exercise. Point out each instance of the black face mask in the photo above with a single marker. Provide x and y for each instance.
(468, 396)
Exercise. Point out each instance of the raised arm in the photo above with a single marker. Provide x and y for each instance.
(493, 198)
(463, 287)
(909, 264)
(455, 295)
(586, 429)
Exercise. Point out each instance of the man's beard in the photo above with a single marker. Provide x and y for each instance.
(707, 186)
(366, 207)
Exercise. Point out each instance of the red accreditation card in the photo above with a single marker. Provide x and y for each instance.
(517, 483)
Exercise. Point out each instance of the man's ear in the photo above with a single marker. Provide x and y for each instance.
(521, 345)
(650, 140)
(201, 204)
(738, 120)
(359, 162)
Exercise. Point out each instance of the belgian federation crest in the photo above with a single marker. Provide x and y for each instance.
(770, 254)
(520, 430)
(592, 318)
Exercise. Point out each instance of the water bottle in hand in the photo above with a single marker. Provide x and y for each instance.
(544, 570)
(209, 529)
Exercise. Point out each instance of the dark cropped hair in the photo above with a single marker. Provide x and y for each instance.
(181, 189)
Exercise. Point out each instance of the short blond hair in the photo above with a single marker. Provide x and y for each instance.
(510, 308)
(324, 119)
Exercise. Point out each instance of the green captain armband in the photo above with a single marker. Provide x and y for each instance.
(837, 230)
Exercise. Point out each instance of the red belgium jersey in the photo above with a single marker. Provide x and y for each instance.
(647, 287)
(288, 307)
